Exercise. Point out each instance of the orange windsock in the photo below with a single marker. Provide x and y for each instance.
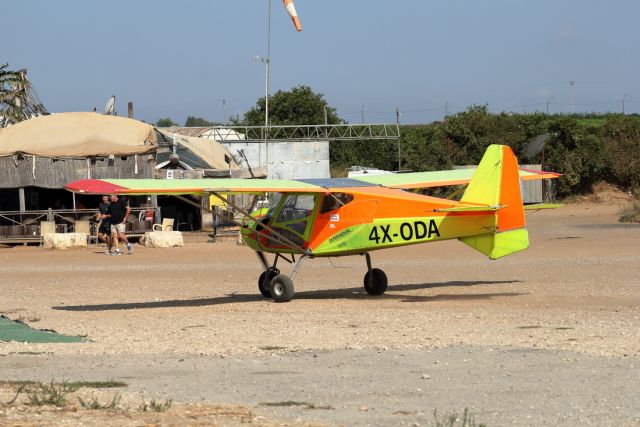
(291, 9)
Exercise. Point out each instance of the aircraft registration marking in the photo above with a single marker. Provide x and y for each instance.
(407, 231)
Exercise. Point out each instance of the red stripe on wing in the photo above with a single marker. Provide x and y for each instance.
(94, 186)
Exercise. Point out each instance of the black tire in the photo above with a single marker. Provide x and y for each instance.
(378, 285)
(265, 285)
(282, 288)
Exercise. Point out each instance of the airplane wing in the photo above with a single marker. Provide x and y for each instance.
(189, 186)
(257, 186)
(440, 178)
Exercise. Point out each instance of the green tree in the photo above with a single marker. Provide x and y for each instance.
(298, 106)
(621, 135)
(165, 123)
(197, 122)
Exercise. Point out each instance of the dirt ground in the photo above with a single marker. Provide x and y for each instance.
(546, 336)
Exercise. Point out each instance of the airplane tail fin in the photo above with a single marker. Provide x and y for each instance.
(496, 182)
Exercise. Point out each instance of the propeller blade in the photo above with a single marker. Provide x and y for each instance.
(263, 259)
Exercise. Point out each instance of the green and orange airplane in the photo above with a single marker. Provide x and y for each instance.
(355, 216)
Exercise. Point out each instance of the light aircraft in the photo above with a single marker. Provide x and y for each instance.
(348, 216)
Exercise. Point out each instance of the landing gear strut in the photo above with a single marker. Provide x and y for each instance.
(375, 281)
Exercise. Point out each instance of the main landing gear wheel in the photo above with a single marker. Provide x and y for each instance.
(375, 282)
(282, 288)
(264, 281)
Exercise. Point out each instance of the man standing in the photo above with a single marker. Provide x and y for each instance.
(120, 210)
(104, 229)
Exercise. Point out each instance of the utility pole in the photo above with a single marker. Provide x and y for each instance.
(446, 108)
(266, 61)
(266, 90)
(623, 98)
(362, 113)
(224, 110)
(548, 101)
(573, 95)
(398, 126)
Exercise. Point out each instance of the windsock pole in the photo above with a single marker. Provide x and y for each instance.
(291, 9)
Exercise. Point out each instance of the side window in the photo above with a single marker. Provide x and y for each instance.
(334, 201)
(296, 207)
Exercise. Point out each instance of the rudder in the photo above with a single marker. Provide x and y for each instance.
(496, 182)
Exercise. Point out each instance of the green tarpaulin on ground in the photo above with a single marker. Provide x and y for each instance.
(16, 331)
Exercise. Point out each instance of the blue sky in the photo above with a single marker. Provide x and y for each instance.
(174, 59)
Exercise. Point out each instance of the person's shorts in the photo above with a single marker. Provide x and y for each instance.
(104, 228)
(117, 228)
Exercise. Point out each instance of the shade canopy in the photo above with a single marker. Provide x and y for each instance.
(72, 135)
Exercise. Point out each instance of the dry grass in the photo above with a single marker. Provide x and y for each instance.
(631, 211)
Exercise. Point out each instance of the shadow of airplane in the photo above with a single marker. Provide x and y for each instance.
(343, 293)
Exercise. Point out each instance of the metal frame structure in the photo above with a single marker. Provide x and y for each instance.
(310, 133)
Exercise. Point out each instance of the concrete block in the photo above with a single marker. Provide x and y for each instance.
(65, 240)
(162, 239)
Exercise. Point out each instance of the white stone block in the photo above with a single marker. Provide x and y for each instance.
(65, 240)
(162, 239)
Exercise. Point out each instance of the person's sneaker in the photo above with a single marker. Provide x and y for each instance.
(129, 248)
(107, 252)
(116, 252)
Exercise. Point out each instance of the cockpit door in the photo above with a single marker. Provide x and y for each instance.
(293, 218)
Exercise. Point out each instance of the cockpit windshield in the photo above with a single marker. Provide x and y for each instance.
(274, 201)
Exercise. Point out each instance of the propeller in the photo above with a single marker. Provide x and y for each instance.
(263, 259)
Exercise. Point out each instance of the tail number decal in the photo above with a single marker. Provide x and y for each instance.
(408, 231)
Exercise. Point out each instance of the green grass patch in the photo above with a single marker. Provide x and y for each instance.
(98, 384)
(72, 385)
(287, 403)
(40, 394)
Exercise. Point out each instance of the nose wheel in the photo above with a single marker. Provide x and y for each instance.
(375, 281)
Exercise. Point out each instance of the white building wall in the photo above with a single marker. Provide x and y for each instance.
(287, 160)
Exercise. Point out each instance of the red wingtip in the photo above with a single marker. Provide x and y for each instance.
(94, 186)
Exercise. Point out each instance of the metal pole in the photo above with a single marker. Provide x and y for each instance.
(362, 113)
(623, 98)
(22, 199)
(398, 125)
(573, 95)
(266, 90)
(224, 110)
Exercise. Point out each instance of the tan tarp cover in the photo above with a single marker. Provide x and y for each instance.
(209, 150)
(77, 135)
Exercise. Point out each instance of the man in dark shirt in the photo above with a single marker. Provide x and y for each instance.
(120, 210)
(104, 229)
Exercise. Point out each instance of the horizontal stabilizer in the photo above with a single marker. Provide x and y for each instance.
(537, 206)
(501, 244)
